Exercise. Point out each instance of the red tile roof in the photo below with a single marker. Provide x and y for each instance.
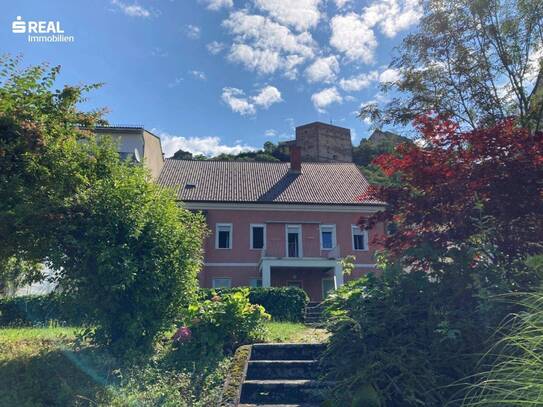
(264, 182)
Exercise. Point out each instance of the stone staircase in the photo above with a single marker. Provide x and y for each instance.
(282, 374)
(313, 313)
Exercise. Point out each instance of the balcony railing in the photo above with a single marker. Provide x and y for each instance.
(279, 250)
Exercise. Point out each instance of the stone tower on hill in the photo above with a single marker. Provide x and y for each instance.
(321, 142)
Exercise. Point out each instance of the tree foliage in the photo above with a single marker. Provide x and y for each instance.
(477, 61)
(455, 180)
(270, 152)
(120, 245)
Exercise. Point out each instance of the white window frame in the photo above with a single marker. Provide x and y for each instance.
(253, 282)
(231, 240)
(221, 278)
(356, 228)
(257, 225)
(334, 242)
(300, 240)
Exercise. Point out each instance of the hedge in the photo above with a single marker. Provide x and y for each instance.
(282, 303)
(39, 310)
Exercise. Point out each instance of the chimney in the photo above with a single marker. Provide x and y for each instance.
(295, 160)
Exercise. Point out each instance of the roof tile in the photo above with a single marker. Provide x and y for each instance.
(264, 182)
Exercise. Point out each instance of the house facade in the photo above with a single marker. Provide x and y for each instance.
(278, 224)
(137, 144)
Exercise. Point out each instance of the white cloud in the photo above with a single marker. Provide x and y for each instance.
(323, 70)
(364, 80)
(208, 146)
(237, 100)
(217, 4)
(352, 37)
(359, 82)
(270, 133)
(132, 10)
(193, 32)
(264, 46)
(300, 14)
(326, 97)
(392, 16)
(389, 75)
(198, 75)
(342, 3)
(353, 34)
(215, 47)
(263, 61)
(267, 97)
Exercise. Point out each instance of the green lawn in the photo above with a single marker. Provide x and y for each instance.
(293, 332)
(45, 367)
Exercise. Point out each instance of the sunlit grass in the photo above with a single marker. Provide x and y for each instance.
(294, 332)
(31, 333)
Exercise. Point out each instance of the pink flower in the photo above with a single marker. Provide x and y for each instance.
(183, 334)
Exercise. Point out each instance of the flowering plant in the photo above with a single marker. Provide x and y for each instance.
(221, 324)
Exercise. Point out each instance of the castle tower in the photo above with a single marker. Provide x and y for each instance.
(321, 142)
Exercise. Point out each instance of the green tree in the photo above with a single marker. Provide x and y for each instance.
(121, 246)
(477, 61)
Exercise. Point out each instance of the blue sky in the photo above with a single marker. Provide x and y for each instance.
(214, 76)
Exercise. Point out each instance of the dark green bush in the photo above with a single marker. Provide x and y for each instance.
(282, 303)
(39, 310)
(404, 339)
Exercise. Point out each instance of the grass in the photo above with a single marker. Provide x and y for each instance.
(46, 367)
(294, 332)
(45, 333)
(516, 377)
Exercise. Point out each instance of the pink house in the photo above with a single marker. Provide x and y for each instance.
(277, 224)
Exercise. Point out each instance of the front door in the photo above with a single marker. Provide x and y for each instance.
(327, 286)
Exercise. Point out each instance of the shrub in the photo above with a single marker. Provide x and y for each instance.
(402, 339)
(219, 325)
(39, 310)
(282, 303)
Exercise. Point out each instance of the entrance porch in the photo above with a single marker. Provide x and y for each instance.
(315, 276)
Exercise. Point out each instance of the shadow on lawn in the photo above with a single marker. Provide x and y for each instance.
(53, 377)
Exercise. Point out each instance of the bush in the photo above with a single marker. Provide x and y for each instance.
(130, 259)
(219, 325)
(282, 303)
(403, 339)
(39, 310)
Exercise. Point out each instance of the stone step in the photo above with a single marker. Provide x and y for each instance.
(281, 391)
(282, 369)
(286, 351)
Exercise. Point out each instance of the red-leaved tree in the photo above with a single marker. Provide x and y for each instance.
(454, 179)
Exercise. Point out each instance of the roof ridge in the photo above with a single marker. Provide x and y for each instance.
(255, 162)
